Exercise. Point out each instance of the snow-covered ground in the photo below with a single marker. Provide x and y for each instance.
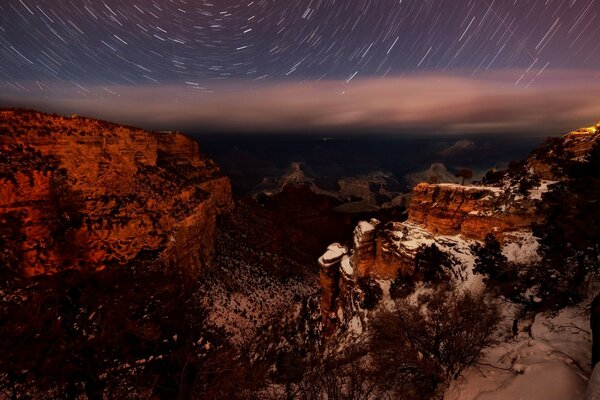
(550, 363)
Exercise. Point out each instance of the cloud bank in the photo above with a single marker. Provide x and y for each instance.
(441, 103)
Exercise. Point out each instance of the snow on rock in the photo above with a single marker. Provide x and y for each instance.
(521, 247)
(407, 238)
(333, 254)
(347, 268)
(551, 364)
(536, 194)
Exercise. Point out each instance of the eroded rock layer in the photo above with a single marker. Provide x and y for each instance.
(472, 211)
(452, 217)
(82, 193)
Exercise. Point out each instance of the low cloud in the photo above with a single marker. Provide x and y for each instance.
(557, 101)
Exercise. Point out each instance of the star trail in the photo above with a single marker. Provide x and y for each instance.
(85, 48)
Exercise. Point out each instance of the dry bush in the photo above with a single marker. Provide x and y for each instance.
(433, 341)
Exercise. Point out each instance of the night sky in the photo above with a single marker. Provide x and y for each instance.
(310, 64)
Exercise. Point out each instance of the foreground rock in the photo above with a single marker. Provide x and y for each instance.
(82, 193)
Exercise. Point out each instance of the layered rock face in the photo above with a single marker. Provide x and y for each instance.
(472, 211)
(329, 280)
(452, 216)
(82, 193)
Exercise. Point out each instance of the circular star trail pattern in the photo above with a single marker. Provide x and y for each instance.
(136, 41)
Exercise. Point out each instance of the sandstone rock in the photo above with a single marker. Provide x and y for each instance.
(329, 278)
(90, 194)
(473, 211)
(547, 160)
(364, 247)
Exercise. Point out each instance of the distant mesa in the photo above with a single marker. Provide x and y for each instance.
(436, 173)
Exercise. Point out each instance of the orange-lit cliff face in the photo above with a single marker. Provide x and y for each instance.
(451, 216)
(471, 211)
(82, 193)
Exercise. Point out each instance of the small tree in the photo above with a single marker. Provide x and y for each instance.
(371, 293)
(490, 261)
(464, 174)
(433, 265)
(500, 275)
(402, 286)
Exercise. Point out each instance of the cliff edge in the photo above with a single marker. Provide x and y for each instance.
(81, 193)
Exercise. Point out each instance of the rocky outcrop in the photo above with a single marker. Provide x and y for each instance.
(364, 247)
(82, 193)
(453, 216)
(549, 161)
(472, 211)
(329, 279)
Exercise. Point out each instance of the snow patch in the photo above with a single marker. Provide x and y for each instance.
(551, 364)
(521, 247)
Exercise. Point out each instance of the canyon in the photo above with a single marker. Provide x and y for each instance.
(127, 243)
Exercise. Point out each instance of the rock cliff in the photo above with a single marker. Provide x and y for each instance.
(454, 216)
(472, 211)
(549, 161)
(82, 193)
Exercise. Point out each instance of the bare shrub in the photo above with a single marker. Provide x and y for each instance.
(433, 341)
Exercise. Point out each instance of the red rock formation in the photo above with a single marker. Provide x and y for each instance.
(547, 160)
(84, 193)
(447, 214)
(329, 278)
(472, 211)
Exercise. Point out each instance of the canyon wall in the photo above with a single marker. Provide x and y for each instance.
(471, 211)
(82, 193)
(454, 216)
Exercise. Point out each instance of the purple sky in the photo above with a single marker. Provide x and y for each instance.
(256, 65)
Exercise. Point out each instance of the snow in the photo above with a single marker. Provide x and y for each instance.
(536, 194)
(386, 300)
(521, 247)
(248, 296)
(550, 364)
(347, 268)
(365, 227)
(355, 327)
(334, 252)
(543, 381)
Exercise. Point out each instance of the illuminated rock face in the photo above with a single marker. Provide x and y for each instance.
(472, 211)
(547, 161)
(451, 216)
(81, 193)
